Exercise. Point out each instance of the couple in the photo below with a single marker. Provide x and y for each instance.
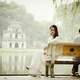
(37, 59)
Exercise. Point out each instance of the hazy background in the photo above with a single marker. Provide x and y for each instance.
(40, 9)
(35, 16)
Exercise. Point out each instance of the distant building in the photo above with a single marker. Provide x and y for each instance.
(14, 37)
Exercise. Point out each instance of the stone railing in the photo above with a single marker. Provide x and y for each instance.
(14, 61)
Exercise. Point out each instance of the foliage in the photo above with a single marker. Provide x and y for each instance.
(10, 12)
(75, 7)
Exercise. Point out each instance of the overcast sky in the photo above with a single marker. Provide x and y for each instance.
(41, 9)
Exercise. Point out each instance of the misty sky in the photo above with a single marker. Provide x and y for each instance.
(41, 9)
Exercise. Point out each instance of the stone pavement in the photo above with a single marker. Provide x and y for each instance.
(37, 78)
(59, 69)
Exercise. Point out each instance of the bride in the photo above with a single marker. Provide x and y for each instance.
(38, 58)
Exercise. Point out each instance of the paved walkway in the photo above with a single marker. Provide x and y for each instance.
(37, 78)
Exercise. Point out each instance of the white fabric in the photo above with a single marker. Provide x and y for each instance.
(39, 57)
(36, 62)
(53, 40)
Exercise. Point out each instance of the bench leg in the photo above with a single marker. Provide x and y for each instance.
(47, 70)
(49, 67)
(52, 70)
(75, 68)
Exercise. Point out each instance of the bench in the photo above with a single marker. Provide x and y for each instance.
(66, 52)
(63, 60)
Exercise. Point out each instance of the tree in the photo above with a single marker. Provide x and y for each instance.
(34, 30)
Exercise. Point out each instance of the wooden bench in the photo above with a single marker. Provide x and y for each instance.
(66, 52)
(63, 60)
